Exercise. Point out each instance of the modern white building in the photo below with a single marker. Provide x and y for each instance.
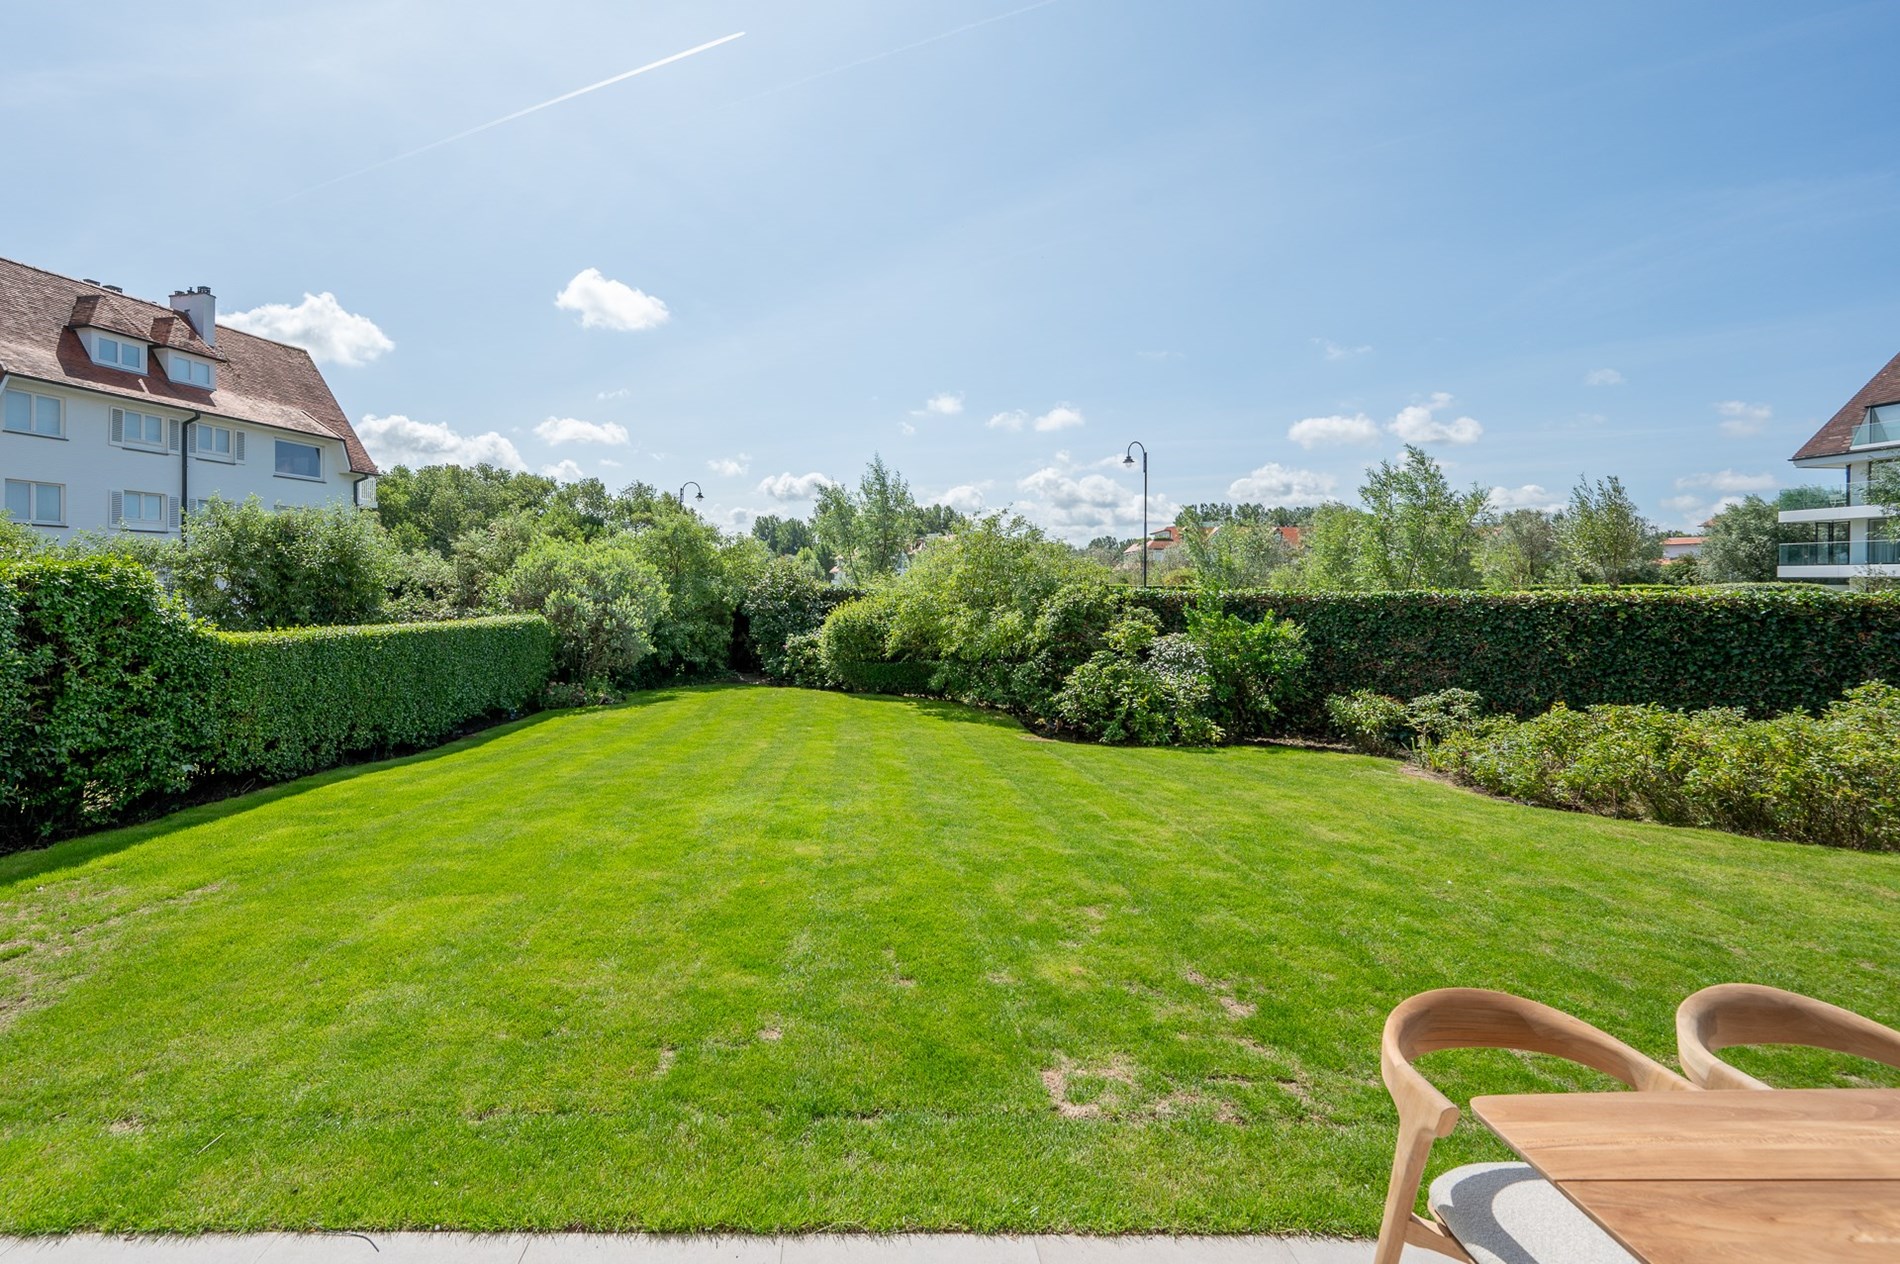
(121, 414)
(1853, 539)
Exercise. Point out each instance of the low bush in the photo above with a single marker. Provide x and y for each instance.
(1144, 689)
(1829, 778)
(1371, 721)
(104, 688)
(1254, 669)
(802, 662)
(294, 701)
(784, 603)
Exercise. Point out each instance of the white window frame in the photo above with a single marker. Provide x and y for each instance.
(202, 431)
(187, 370)
(277, 464)
(34, 400)
(142, 523)
(142, 444)
(34, 490)
(120, 344)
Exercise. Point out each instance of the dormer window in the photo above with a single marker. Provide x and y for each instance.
(120, 353)
(188, 370)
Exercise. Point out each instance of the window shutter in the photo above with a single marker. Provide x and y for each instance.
(174, 435)
(118, 435)
(237, 445)
(197, 443)
(115, 510)
(175, 515)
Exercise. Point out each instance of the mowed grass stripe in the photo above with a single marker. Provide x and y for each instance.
(773, 960)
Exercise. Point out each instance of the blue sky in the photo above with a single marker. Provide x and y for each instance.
(1268, 240)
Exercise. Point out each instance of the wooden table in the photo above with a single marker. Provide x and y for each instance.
(1736, 1177)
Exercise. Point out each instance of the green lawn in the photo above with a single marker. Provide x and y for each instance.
(771, 959)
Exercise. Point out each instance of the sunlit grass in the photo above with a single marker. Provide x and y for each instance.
(772, 959)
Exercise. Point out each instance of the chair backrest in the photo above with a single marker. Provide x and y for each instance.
(1474, 1018)
(1730, 1014)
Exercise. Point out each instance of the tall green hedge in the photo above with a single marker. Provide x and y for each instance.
(1766, 650)
(294, 701)
(104, 694)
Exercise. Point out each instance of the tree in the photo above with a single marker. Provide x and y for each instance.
(602, 598)
(1607, 540)
(247, 568)
(869, 530)
(431, 507)
(1521, 550)
(784, 536)
(1241, 553)
(1421, 533)
(1743, 544)
(1329, 558)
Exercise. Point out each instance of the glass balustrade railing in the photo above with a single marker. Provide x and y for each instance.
(1842, 553)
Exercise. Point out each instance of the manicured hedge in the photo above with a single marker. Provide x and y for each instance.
(1765, 650)
(294, 701)
(104, 694)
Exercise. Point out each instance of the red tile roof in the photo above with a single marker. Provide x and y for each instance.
(1687, 539)
(259, 381)
(1837, 436)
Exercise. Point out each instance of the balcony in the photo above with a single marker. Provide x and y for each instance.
(1842, 553)
(1814, 498)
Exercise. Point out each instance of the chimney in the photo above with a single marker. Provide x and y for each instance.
(200, 307)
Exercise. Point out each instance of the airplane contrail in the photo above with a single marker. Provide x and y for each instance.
(522, 113)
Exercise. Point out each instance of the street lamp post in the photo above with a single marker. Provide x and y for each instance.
(698, 492)
(1128, 459)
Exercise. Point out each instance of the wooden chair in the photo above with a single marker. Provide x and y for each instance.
(1489, 1212)
(1730, 1014)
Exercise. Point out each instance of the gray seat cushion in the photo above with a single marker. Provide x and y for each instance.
(1505, 1213)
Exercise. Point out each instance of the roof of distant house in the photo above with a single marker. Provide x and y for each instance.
(1837, 436)
(1687, 539)
(269, 383)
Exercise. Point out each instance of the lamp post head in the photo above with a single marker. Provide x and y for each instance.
(1129, 460)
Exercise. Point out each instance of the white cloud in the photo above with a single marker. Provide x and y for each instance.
(1313, 432)
(320, 326)
(1730, 481)
(1275, 484)
(1334, 351)
(607, 464)
(1061, 417)
(1743, 419)
(730, 466)
(1695, 510)
(574, 430)
(942, 404)
(1416, 423)
(966, 498)
(399, 440)
(608, 304)
(619, 392)
(1079, 506)
(1603, 377)
(789, 486)
(1529, 496)
(906, 428)
(740, 519)
(568, 471)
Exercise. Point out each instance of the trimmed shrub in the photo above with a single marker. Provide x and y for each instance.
(1766, 650)
(854, 645)
(782, 603)
(1254, 669)
(601, 599)
(1829, 778)
(294, 701)
(802, 661)
(1370, 720)
(104, 683)
(1143, 690)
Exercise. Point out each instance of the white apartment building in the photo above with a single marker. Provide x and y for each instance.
(1854, 540)
(123, 415)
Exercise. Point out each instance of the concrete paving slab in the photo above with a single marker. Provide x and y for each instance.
(907, 1248)
(397, 1248)
(1155, 1249)
(107, 1248)
(650, 1248)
